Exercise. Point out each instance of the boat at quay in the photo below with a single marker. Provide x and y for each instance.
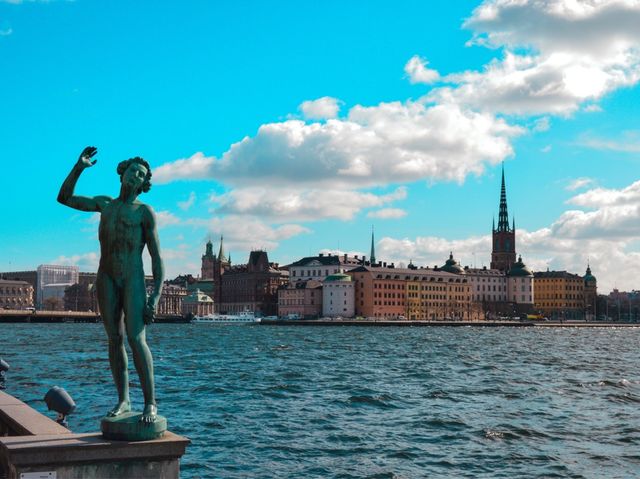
(242, 317)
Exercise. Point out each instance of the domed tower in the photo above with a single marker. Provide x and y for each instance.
(590, 294)
(503, 254)
(452, 266)
(520, 286)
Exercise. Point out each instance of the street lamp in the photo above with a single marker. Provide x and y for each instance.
(58, 399)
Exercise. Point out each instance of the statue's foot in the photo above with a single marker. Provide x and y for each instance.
(149, 414)
(121, 408)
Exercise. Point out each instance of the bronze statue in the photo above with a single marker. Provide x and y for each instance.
(126, 226)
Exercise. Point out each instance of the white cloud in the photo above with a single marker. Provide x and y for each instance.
(185, 205)
(196, 167)
(321, 109)
(568, 53)
(389, 143)
(416, 69)
(628, 143)
(86, 261)
(387, 213)
(546, 149)
(605, 197)
(296, 205)
(542, 124)
(166, 218)
(592, 108)
(578, 183)
(244, 233)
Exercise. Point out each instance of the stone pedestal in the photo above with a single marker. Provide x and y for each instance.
(33, 443)
(76, 456)
(127, 427)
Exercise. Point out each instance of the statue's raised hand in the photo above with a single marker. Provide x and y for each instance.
(85, 159)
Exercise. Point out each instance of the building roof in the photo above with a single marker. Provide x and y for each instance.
(14, 282)
(556, 274)
(484, 272)
(320, 260)
(337, 277)
(407, 274)
(198, 296)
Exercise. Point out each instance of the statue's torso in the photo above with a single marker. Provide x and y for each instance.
(122, 240)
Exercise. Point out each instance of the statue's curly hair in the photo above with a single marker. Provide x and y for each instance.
(123, 165)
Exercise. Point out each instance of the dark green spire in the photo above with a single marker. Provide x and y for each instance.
(221, 256)
(372, 256)
(503, 215)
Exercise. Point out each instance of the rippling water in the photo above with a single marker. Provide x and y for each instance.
(343, 402)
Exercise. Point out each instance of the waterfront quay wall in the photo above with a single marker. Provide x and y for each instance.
(418, 323)
(33, 443)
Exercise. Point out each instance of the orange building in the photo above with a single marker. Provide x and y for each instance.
(411, 293)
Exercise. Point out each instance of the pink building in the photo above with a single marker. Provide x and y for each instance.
(302, 299)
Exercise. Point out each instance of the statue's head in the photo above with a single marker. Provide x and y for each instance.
(124, 165)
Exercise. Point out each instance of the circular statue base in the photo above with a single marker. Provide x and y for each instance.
(127, 427)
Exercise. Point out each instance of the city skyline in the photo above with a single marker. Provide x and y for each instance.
(298, 134)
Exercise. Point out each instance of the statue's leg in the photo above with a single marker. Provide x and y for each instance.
(135, 297)
(110, 301)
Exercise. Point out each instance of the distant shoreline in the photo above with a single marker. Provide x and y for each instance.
(420, 323)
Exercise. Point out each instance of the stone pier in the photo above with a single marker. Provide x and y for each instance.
(34, 446)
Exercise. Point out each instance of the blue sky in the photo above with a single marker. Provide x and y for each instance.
(296, 127)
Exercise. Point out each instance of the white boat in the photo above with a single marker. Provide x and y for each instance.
(242, 317)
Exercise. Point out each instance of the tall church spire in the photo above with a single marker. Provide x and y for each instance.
(372, 256)
(221, 256)
(503, 215)
(503, 254)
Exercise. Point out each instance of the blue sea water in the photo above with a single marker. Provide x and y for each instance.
(363, 402)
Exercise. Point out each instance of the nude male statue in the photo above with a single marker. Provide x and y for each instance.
(126, 226)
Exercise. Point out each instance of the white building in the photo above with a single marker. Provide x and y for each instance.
(321, 266)
(52, 274)
(520, 284)
(338, 296)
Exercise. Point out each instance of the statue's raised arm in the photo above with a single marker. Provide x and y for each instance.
(83, 203)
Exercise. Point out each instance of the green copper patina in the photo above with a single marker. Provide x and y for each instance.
(126, 226)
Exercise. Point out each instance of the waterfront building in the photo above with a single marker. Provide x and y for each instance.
(53, 279)
(496, 293)
(30, 277)
(387, 292)
(197, 304)
(520, 287)
(319, 267)
(15, 294)
(252, 286)
(559, 295)
(80, 297)
(300, 299)
(503, 253)
(338, 296)
(171, 299)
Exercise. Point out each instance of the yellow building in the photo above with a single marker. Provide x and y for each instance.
(560, 295)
